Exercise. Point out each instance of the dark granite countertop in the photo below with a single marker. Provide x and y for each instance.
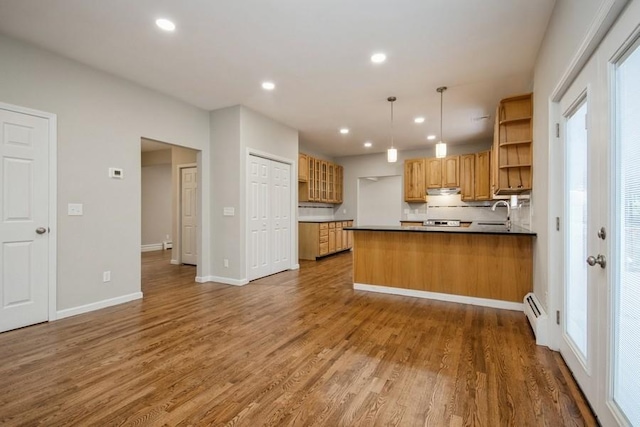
(323, 220)
(473, 229)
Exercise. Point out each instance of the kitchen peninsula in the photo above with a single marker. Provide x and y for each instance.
(482, 265)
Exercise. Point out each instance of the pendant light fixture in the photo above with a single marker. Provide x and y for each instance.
(441, 147)
(392, 153)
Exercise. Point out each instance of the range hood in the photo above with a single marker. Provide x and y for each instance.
(443, 191)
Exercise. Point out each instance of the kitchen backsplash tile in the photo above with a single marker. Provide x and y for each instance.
(315, 212)
(452, 207)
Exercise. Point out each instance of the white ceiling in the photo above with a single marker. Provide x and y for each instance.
(316, 51)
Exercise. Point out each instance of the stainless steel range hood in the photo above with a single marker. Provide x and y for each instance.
(443, 191)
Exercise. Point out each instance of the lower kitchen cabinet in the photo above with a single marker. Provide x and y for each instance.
(317, 239)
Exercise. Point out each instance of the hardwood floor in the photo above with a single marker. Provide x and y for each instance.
(297, 348)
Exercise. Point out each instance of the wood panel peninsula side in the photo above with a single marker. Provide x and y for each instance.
(487, 266)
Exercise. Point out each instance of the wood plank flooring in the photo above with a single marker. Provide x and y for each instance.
(299, 348)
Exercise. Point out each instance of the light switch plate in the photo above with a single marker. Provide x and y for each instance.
(74, 209)
(116, 173)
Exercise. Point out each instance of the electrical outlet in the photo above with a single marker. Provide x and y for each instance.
(106, 276)
(226, 263)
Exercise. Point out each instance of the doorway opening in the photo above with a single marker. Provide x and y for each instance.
(169, 179)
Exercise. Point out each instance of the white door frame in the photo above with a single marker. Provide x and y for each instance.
(293, 188)
(178, 239)
(53, 200)
(605, 18)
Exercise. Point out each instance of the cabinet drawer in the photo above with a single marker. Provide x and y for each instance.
(324, 232)
(324, 226)
(332, 225)
(339, 225)
(324, 248)
(324, 239)
(345, 223)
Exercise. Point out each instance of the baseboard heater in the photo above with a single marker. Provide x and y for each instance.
(537, 318)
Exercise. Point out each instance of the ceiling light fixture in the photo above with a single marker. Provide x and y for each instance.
(344, 131)
(378, 58)
(431, 137)
(392, 153)
(165, 24)
(419, 120)
(368, 144)
(441, 147)
(268, 85)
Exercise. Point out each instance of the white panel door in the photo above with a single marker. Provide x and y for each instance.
(259, 264)
(280, 219)
(189, 216)
(269, 207)
(24, 204)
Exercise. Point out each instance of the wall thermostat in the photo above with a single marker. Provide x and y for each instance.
(116, 173)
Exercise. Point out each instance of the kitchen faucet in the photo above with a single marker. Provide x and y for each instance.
(502, 202)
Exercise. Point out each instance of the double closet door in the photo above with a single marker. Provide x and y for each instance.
(269, 207)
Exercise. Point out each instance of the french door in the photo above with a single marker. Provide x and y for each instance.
(600, 133)
(583, 214)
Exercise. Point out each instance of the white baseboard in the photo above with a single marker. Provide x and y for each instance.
(175, 262)
(295, 267)
(223, 280)
(483, 302)
(152, 247)
(98, 305)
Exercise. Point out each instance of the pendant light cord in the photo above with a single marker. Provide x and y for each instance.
(391, 99)
(441, 136)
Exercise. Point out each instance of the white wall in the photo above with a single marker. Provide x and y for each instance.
(234, 132)
(156, 204)
(569, 24)
(379, 200)
(376, 165)
(101, 119)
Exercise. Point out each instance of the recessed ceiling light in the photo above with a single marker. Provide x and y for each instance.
(419, 120)
(344, 131)
(268, 85)
(378, 58)
(368, 144)
(165, 24)
(431, 137)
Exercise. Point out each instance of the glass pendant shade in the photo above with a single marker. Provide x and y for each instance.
(392, 155)
(441, 150)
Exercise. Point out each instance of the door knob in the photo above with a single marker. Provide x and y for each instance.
(600, 259)
(41, 230)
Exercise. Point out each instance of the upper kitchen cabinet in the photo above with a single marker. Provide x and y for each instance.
(512, 146)
(415, 180)
(324, 181)
(443, 173)
(467, 177)
(482, 176)
(475, 176)
(303, 167)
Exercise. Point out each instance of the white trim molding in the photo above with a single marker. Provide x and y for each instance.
(461, 299)
(222, 280)
(98, 305)
(152, 247)
(605, 17)
(174, 262)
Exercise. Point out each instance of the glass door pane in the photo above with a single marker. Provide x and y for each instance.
(626, 284)
(576, 288)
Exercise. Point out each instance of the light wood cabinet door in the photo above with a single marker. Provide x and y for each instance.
(349, 235)
(339, 244)
(339, 183)
(434, 172)
(451, 171)
(332, 240)
(467, 177)
(482, 179)
(331, 183)
(303, 168)
(414, 180)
